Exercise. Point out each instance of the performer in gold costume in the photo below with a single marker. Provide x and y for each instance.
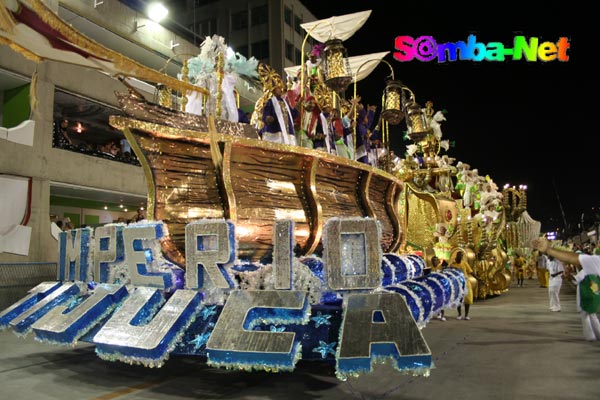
(520, 269)
(542, 270)
(461, 263)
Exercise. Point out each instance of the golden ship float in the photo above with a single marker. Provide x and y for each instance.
(201, 168)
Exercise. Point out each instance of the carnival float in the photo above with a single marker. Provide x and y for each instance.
(257, 254)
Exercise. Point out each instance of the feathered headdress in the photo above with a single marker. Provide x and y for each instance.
(317, 49)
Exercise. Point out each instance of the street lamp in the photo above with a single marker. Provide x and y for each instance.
(392, 102)
(336, 67)
(416, 119)
(157, 11)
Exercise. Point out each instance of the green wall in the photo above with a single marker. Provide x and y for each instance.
(91, 220)
(75, 219)
(15, 106)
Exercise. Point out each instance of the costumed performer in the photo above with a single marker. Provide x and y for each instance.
(556, 270)
(461, 263)
(520, 269)
(313, 67)
(376, 149)
(364, 120)
(541, 269)
(278, 118)
(323, 139)
(309, 120)
(338, 130)
(588, 284)
(276, 114)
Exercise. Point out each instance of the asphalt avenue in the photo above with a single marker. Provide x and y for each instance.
(512, 348)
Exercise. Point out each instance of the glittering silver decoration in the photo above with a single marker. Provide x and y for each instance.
(422, 318)
(304, 279)
(214, 237)
(261, 279)
(119, 274)
(425, 317)
(138, 335)
(36, 294)
(66, 328)
(458, 276)
(233, 339)
(22, 323)
(410, 266)
(135, 258)
(353, 253)
(107, 233)
(282, 253)
(76, 252)
(325, 348)
(360, 333)
(321, 319)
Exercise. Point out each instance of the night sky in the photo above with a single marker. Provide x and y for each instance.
(519, 122)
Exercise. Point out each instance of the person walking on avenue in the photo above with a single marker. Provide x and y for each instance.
(463, 265)
(520, 269)
(542, 270)
(588, 288)
(556, 270)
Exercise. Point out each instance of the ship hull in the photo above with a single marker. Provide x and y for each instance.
(198, 168)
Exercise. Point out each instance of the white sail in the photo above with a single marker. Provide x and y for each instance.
(364, 65)
(338, 27)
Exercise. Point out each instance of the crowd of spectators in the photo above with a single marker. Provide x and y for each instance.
(113, 149)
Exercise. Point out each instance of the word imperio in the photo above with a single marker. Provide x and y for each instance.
(425, 48)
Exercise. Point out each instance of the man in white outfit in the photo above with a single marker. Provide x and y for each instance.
(587, 280)
(556, 271)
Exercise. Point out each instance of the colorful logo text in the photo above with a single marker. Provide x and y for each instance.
(425, 48)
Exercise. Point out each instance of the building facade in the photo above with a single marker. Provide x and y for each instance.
(268, 30)
(81, 181)
(77, 180)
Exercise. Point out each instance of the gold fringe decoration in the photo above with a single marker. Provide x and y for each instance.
(185, 71)
(24, 52)
(215, 151)
(33, 100)
(220, 75)
(256, 118)
(7, 22)
(122, 63)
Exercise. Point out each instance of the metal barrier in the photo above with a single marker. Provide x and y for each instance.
(17, 278)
